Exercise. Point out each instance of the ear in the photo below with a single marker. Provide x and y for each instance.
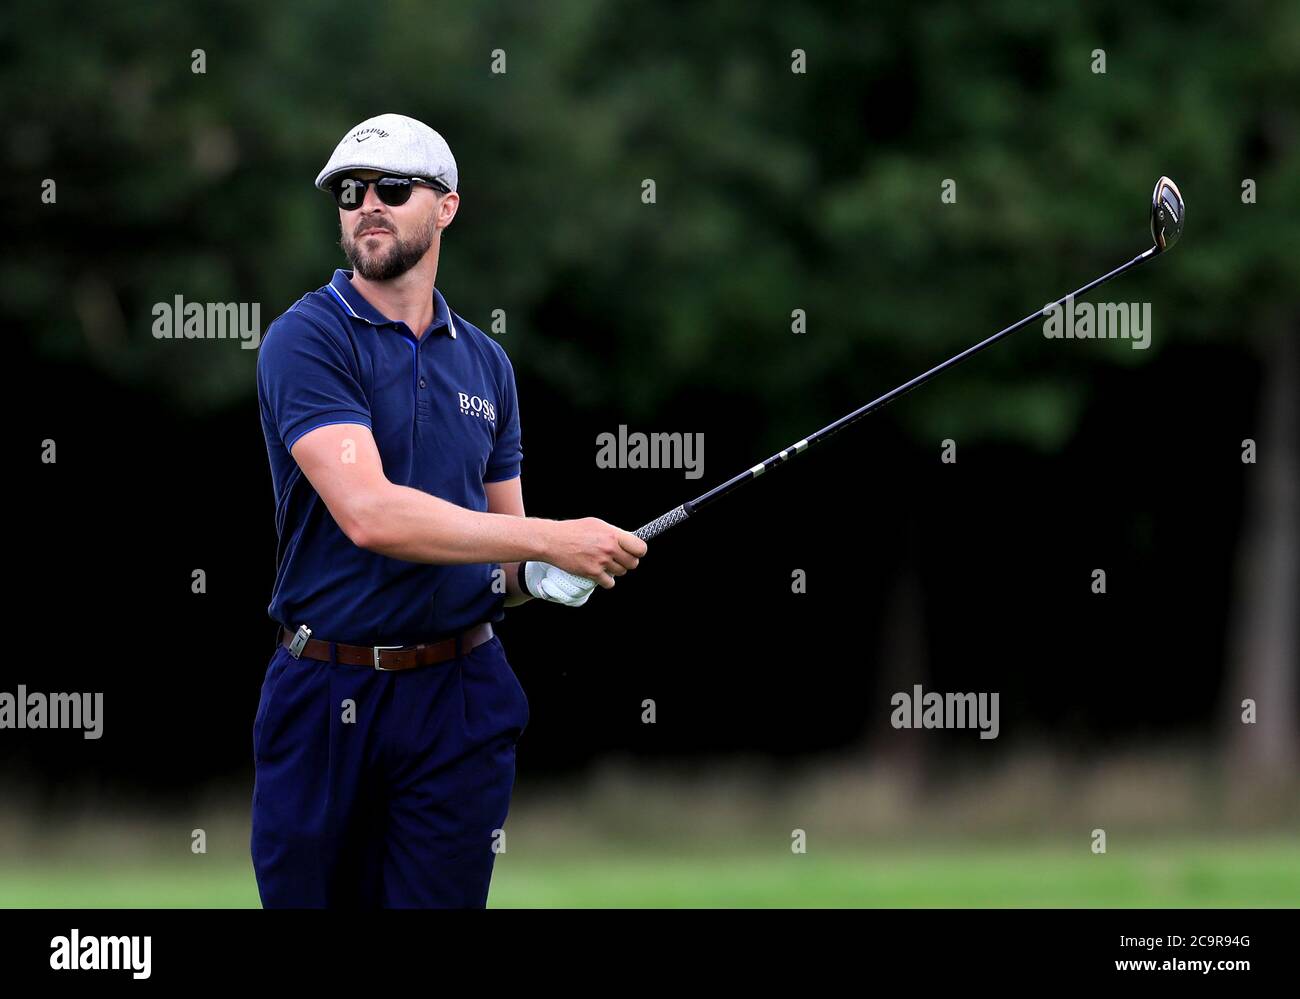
(447, 209)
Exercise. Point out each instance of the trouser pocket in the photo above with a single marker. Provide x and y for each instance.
(274, 671)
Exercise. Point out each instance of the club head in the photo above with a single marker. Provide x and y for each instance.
(1166, 214)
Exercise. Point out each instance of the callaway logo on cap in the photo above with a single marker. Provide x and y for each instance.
(395, 144)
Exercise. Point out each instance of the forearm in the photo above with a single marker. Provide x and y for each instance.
(413, 526)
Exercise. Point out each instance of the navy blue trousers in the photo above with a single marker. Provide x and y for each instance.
(383, 789)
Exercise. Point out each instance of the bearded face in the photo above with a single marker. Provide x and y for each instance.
(380, 247)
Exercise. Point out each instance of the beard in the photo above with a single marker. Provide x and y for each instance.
(393, 261)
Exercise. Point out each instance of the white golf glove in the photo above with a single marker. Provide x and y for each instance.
(547, 582)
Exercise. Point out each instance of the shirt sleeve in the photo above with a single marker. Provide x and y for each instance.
(306, 379)
(507, 454)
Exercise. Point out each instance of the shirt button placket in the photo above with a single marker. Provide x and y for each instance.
(423, 407)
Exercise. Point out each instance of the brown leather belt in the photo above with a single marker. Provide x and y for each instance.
(385, 657)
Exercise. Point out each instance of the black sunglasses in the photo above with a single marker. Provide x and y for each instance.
(350, 192)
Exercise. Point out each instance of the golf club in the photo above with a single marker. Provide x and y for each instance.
(1166, 226)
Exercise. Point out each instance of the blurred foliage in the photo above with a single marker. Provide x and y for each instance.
(776, 191)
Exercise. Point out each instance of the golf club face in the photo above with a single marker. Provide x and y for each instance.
(1166, 214)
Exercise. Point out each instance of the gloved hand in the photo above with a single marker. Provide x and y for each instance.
(548, 582)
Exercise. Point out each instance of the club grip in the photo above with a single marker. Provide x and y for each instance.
(670, 519)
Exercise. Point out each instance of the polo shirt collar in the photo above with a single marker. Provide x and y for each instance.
(354, 304)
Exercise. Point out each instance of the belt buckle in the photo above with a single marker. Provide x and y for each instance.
(383, 648)
(299, 641)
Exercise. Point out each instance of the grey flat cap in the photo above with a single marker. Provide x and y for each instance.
(396, 144)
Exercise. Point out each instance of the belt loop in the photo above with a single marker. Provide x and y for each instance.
(334, 646)
(460, 644)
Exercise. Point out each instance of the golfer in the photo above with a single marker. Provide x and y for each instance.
(384, 741)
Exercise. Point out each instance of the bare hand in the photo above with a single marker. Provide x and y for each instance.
(592, 548)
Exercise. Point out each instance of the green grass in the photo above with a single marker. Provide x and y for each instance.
(1173, 874)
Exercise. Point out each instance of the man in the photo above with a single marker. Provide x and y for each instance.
(384, 742)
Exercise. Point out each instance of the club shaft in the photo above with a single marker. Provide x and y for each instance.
(691, 507)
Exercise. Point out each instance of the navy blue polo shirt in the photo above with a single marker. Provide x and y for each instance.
(445, 415)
